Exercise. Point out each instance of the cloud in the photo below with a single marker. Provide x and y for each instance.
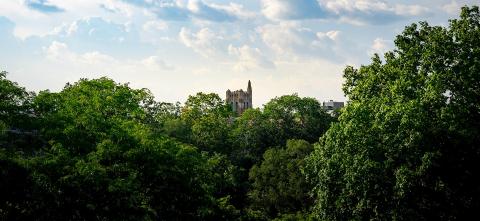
(205, 41)
(155, 32)
(42, 6)
(332, 35)
(155, 25)
(117, 7)
(99, 34)
(192, 9)
(237, 10)
(380, 46)
(292, 41)
(92, 27)
(98, 28)
(373, 11)
(452, 8)
(59, 52)
(285, 38)
(65, 29)
(206, 12)
(410, 10)
(249, 58)
(292, 10)
(352, 11)
(155, 63)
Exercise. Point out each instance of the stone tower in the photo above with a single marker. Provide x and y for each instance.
(240, 100)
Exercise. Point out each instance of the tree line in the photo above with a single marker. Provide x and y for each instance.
(406, 147)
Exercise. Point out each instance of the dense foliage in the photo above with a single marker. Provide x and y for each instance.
(101, 161)
(404, 148)
(99, 150)
(407, 145)
(278, 186)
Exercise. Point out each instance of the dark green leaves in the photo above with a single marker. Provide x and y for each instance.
(406, 146)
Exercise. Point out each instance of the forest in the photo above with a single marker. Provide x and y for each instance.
(405, 147)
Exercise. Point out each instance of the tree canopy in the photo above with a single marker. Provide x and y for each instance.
(278, 185)
(406, 145)
(101, 150)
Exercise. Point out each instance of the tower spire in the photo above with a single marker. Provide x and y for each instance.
(249, 95)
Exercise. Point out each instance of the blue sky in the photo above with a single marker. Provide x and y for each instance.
(179, 47)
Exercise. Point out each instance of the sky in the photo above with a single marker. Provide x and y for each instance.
(177, 48)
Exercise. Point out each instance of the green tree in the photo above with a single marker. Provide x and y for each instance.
(105, 161)
(210, 133)
(3, 128)
(226, 186)
(406, 145)
(17, 123)
(293, 117)
(16, 189)
(208, 118)
(249, 137)
(165, 119)
(203, 104)
(278, 185)
(90, 111)
(14, 103)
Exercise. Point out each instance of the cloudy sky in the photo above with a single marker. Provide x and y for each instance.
(179, 47)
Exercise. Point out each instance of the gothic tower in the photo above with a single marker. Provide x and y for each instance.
(240, 100)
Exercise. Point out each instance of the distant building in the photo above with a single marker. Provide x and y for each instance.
(331, 105)
(240, 100)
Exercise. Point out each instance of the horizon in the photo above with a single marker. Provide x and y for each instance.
(179, 48)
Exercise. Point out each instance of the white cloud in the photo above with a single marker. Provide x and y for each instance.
(452, 8)
(30, 22)
(235, 9)
(380, 46)
(59, 52)
(204, 42)
(65, 29)
(355, 5)
(410, 10)
(328, 43)
(289, 40)
(95, 6)
(72, 28)
(284, 38)
(193, 9)
(249, 58)
(97, 58)
(155, 63)
(288, 9)
(332, 35)
(155, 25)
(117, 7)
(373, 6)
(155, 32)
(352, 11)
